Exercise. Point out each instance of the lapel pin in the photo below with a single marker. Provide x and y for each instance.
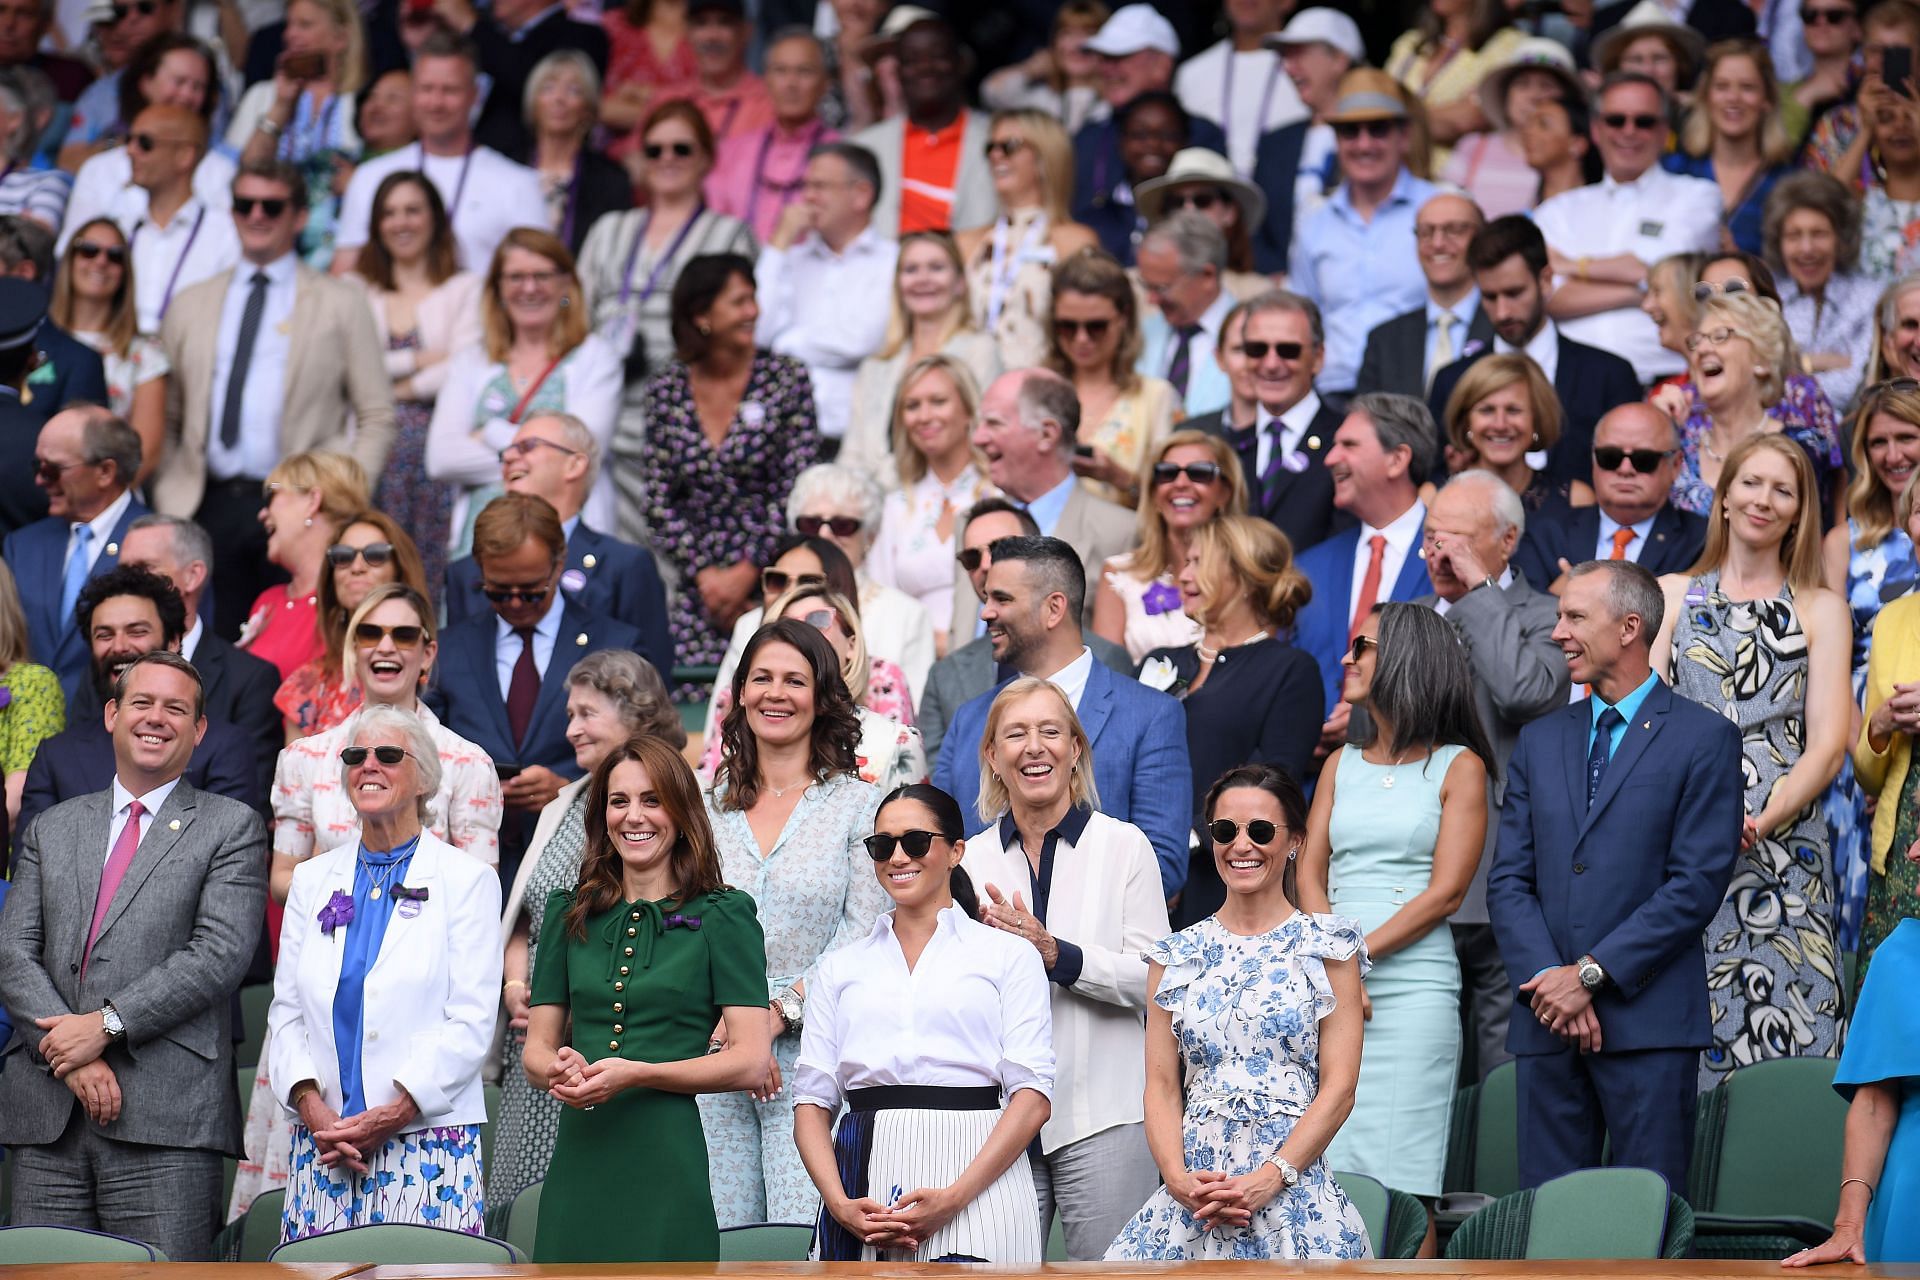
(113, 548)
(1313, 442)
(589, 560)
(1646, 724)
(573, 580)
(174, 825)
(581, 639)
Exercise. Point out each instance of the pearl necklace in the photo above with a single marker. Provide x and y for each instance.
(1208, 656)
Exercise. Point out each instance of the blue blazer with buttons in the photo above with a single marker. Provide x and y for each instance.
(37, 554)
(1632, 879)
(1321, 628)
(617, 579)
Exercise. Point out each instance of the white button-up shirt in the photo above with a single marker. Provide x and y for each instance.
(257, 452)
(1247, 93)
(122, 813)
(507, 645)
(1072, 678)
(1654, 216)
(197, 244)
(1293, 426)
(815, 307)
(1402, 535)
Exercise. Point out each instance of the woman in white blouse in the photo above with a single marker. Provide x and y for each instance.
(1084, 890)
(930, 317)
(940, 478)
(920, 1029)
(93, 300)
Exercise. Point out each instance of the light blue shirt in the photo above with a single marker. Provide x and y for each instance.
(1047, 509)
(1360, 272)
(1628, 707)
(1603, 547)
(506, 645)
(258, 451)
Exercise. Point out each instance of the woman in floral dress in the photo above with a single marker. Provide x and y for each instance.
(1751, 632)
(1259, 1004)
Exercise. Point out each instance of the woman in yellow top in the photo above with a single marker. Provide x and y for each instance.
(32, 708)
(1444, 57)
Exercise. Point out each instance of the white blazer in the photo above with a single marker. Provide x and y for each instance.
(1106, 900)
(431, 993)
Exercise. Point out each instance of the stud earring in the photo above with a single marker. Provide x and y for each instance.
(309, 522)
(706, 330)
(565, 302)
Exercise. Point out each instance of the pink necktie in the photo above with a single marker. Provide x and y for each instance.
(113, 873)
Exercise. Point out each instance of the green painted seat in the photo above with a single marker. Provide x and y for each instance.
(1594, 1213)
(767, 1242)
(254, 999)
(398, 1244)
(47, 1245)
(1483, 1148)
(1396, 1221)
(523, 1219)
(1751, 1202)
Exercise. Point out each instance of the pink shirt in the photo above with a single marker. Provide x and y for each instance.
(1488, 168)
(758, 173)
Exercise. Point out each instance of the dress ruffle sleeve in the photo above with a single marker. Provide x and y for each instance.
(1323, 938)
(1184, 956)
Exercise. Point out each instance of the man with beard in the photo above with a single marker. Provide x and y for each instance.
(933, 161)
(124, 614)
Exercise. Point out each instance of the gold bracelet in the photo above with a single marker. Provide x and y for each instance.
(1862, 1181)
(511, 983)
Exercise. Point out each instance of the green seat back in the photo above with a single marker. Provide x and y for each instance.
(254, 999)
(398, 1244)
(1370, 1199)
(1784, 1105)
(47, 1245)
(1599, 1213)
(523, 1219)
(767, 1242)
(491, 1093)
(243, 1081)
(1496, 1151)
(1057, 1240)
(1406, 1225)
(260, 1229)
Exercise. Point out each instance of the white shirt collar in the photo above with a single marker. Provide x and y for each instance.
(1295, 420)
(867, 243)
(183, 219)
(1441, 604)
(1214, 316)
(190, 642)
(278, 272)
(1072, 678)
(102, 524)
(1404, 528)
(151, 801)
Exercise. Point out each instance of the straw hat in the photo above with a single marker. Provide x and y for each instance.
(1648, 19)
(1368, 93)
(1199, 165)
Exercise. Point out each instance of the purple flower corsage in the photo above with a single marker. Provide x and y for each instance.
(6, 697)
(1161, 597)
(337, 913)
(678, 921)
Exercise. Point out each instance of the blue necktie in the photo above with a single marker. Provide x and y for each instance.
(1602, 751)
(78, 562)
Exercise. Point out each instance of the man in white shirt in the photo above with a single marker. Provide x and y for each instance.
(1239, 83)
(1181, 260)
(176, 239)
(1404, 353)
(1603, 238)
(486, 194)
(823, 276)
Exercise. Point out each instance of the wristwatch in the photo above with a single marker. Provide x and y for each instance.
(1289, 1176)
(110, 1021)
(791, 1009)
(1592, 976)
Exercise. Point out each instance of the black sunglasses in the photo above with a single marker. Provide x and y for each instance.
(1260, 831)
(340, 554)
(507, 595)
(116, 254)
(1003, 147)
(1707, 288)
(1202, 200)
(354, 757)
(146, 142)
(1620, 120)
(1645, 461)
(405, 636)
(1812, 17)
(145, 8)
(1094, 329)
(775, 582)
(49, 473)
(881, 844)
(1198, 472)
(1257, 351)
(1352, 129)
(654, 150)
(842, 526)
(970, 558)
(273, 207)
(1360, 645)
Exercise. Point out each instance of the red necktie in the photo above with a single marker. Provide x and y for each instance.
(1369, 585)
(524, 689)
(1621, 537)
(112, 874)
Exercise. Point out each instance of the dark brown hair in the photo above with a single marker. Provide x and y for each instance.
(375, 264)
(1279, 784)
(510, 519)
(836, 720)
(695, 860)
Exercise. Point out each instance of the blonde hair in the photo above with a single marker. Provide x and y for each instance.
(1758, 320)
(857, 670)
(13, 623)
(1253, 559)
(349, 663)
(351, 73)
(1696, 134)
(569, 329)
(1874, 507)
(1800, 552)
(1153, 556)
(1054, 152)
(959, 318)
(908, 459)
(336, 477)
(1496, 373)
(994, 798)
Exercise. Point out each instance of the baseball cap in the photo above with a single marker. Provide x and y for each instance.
(1134, 28)
(1321, 26)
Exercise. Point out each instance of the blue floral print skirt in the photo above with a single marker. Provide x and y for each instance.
(427, 1176)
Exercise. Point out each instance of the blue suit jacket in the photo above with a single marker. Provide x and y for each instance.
(72, 371)
(616, 578)
(1321, 628)
(1207, 388)
(37, 555)
(78, 761)
(1276, 165)
(1633, 880)
(1140, 763)
(1573, 534)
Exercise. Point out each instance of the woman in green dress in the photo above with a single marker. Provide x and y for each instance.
(642, 958)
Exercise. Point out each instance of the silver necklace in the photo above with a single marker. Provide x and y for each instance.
(780, 793)
(1391, 766)
(379, 881)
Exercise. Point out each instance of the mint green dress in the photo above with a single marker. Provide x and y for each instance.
(1385, 822)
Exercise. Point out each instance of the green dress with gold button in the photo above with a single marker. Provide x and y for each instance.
(628, 1182)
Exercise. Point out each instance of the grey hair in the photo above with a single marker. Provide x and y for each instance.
(1890, 299)
(190, 541)
(420, 745)
(1045, 394)
(1288, 303)
(635, 689)
(1194, 237)
(561, 60)
(1503, 503)
(576, 435)
(841, 485)
(1631, 589)
(1401, 420)
(1621, 78)
(797, 31)
(107, 438)
(15, 98)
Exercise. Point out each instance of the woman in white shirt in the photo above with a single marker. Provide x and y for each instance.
(921, 1029)
(940, 478)
(1084, 890)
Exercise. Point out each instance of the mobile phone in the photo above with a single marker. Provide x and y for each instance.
(1896, 69)
(1083, 451)
(506, 771)
(303, 66)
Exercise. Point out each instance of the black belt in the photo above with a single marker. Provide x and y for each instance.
(924, 1097)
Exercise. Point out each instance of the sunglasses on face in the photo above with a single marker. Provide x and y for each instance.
(273, 207)
(49, 473)
(821, 619)
(368, 635)
(1811, 17)
(340, 555)
(1003, 147)
(654, 150)
(145, 8)
(1095, 330)
(842, 526)
(1371, 128)
(1707, 288)
(1645, 461)
(1260, 831)
(1202, 473)
(918, 844)
(1360, 645)
(970, 558)
(507, 595)
(1201, 200)
(116, 254)
(354, 757)
(146, 143)
(776, 581)
(1620, 120)
(1257, 351)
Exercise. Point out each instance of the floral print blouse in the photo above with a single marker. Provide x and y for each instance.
(310, 701)
(32, 709)
(1805, 416)
(711, 506)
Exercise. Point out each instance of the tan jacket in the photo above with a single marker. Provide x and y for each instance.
(337, 395)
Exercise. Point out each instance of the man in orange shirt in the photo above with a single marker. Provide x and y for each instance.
(933, 161)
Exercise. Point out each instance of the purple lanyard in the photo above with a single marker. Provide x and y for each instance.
(573, 197)
(633, 255)
(726, 125)
(786, 189)
(1226, 100)
(166, 299)
(459, 188)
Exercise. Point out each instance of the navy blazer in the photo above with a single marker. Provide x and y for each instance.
(37, 555)
(1395, 358)
(71, 371)
(78, 761)
(1588, 383)
(1299, 503)
(604, 575)
(1321, 628)
(1633, 880)
(1140, 763)
(1573, 534)
(1097, 171)
(1276, 166)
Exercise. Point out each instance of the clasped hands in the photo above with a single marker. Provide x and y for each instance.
(72, 1047)
(1225, 1200)
(582, 1084)
(905, 1225)
(353, 1141)
(1565, 1007)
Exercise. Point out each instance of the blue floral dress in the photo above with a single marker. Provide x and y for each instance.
(1246, 1015)
(1806, 417)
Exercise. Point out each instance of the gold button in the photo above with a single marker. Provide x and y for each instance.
(613, 1044)
(617, 1028)
(588, 561)
(630, 934)
(623, 968)
(636, 915)
(629, 952)
(619, 986)
(618, 1007)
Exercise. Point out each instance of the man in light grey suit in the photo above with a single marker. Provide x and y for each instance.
(1519, 675)
(133, 914)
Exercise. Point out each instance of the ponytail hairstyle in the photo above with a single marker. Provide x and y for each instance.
(1279, 784)
(953, 828)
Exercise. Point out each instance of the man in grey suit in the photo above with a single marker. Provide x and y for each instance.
(1519, 675)
(133, 914)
